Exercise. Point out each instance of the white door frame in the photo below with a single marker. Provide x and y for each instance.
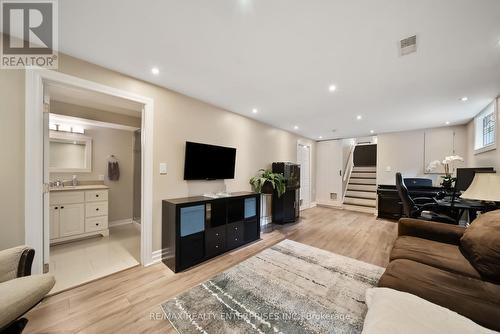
(34, 187)
(299, 144)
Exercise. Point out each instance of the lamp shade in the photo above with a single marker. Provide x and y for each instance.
(484, 187)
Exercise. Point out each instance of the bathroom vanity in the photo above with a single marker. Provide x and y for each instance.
(78, 212)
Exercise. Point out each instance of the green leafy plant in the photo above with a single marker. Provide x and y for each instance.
(448, 181)
(266, 179)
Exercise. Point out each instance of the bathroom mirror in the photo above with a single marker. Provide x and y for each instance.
(69, 153)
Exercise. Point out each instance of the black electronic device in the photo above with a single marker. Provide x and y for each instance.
(209, 162)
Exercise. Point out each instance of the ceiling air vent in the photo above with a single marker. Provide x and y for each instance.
(408, 45)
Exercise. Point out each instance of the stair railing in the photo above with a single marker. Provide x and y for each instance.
(349, 165)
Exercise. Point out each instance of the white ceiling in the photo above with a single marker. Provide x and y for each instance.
(280, 56)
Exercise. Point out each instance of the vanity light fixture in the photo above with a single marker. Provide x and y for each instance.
(66, 128)
(63, 127)
(447, 123)
(464, 99)
(77, 129)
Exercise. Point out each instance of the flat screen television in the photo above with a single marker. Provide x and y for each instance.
(209, 162)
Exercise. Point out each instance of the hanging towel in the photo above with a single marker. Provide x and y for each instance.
(113, 171)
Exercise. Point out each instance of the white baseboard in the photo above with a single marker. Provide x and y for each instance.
(159, 255)
(120, 222)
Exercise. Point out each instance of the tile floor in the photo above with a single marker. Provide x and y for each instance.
(82, 261)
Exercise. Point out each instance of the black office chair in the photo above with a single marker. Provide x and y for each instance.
(415, 207)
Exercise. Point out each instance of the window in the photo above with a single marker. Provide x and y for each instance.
(485, 128)
(489, 130)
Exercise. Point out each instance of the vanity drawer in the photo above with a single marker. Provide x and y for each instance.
(96, 195)
(96, 224)
(96, 209)
(66, 197)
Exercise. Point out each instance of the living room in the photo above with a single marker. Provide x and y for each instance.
(270, 197)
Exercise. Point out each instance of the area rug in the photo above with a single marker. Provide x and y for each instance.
(288, 288)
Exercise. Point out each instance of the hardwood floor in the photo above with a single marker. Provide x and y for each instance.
(127, 302)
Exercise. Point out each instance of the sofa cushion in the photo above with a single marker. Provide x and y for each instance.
(19, 295)
(394, 312)
(437, 254)
(481, 244)
(475, 299)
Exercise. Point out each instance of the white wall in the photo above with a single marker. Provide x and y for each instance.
(328, 165)
(405, 152)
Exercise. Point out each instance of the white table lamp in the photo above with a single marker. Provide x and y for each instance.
(485, 187)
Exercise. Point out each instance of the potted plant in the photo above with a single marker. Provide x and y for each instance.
(447, 163)
(267, 181)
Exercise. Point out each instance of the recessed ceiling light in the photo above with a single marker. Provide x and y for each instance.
(332, 88)
(320, 137)
(155, 70)
(371, 131)
(254, 110)
(296, 127)
(464, 99)
(359, 117)
(447, 123)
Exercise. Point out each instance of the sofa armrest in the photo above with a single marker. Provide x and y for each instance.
(15, 262)
(440, 232)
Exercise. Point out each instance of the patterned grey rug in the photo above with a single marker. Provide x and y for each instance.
(288, 288)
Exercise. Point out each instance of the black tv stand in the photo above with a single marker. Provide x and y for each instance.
(195, 229)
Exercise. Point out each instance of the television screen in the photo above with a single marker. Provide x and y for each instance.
(209, 162)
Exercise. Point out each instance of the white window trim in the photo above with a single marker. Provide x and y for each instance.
(491, 108)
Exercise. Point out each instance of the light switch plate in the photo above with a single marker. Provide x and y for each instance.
(163, 168)
(388, 169)
(101, 177)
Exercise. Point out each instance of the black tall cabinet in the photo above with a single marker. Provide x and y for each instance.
(286, 207)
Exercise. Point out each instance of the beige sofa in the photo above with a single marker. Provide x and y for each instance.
(19, 290)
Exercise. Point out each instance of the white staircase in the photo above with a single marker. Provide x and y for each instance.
(361, 193)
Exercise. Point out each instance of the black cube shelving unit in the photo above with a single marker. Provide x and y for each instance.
(195, 229)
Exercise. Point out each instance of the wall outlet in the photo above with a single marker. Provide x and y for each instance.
(101, 177)
(388, 169)
(163, 168)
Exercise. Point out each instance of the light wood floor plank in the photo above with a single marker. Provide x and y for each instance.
(124, 302)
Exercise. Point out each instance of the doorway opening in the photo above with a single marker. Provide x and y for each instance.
(304, 160)
(94, 176)
(86, 164)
